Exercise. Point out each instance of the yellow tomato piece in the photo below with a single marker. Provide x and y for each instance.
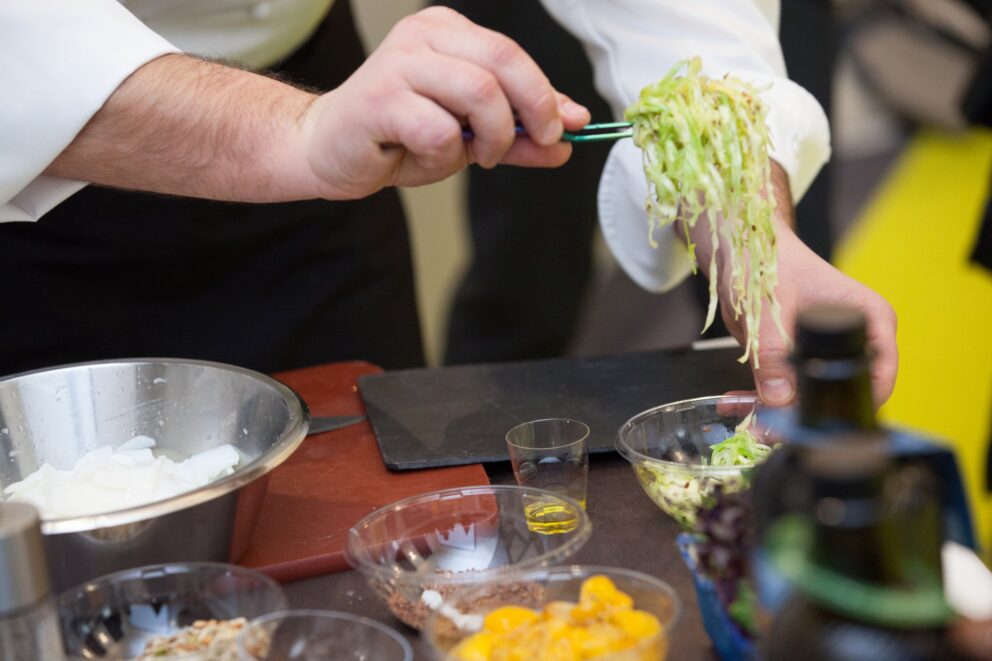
(477, 647)
(586, 611)
(578, 636)
(559, 653)
(605, 638)
(560, 645)
(557, 635)
(522, 644)
(600, 589)
(511, 653)
(508, 618)
(558, 610)
(637, 624)
(602, 623)
(595, 646)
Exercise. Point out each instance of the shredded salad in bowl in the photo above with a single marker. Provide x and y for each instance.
(681, 489)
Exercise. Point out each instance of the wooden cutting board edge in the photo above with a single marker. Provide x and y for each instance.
(331, 481)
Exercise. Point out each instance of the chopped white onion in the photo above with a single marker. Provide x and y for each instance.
(106, 480)
(137, 443)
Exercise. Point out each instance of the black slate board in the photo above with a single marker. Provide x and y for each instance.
(459, 415)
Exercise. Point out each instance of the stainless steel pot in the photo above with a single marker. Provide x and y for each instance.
(56, 415)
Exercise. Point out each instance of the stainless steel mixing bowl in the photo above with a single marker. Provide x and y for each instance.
(56, 415)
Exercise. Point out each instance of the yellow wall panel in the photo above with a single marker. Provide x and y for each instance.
(911, 244)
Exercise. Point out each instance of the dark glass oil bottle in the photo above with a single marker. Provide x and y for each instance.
(833, 383)
(863, 529)
(832, 363)
(863, 560)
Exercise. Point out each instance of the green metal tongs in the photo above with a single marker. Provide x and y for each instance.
(598, 132)
(588, 133)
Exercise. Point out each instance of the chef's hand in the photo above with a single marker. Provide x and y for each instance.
(804, 279)
(185, 126)
(399, 119)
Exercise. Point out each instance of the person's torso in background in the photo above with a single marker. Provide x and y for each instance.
(253, 33)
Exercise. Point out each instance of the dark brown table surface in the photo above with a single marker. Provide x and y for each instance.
(628, 531)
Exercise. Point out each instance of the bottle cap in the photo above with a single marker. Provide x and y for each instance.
(830, 332)
(23, 569)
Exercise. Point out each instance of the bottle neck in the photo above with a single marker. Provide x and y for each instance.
(835, 395)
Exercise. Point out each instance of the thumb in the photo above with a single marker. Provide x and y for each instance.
(573, 115)
(773, 373)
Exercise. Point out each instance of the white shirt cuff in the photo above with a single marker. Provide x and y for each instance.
(799, 132)
(62, 59)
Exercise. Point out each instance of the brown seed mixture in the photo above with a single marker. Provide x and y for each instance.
(415, 612)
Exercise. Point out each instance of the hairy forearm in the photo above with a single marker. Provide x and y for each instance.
(184, 126)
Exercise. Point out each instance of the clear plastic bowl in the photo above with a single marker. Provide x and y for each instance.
(318, 635)
(666, 446)
(461, 616)
(112, 617)
(416, 552)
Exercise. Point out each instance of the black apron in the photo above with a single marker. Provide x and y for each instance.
(111, 274)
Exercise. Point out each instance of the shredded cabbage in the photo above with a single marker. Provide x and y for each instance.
(684, 491)
(741, 449)
(705, 148)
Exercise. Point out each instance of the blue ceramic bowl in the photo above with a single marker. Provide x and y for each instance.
(730, 644)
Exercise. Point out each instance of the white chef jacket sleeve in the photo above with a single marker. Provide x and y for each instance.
(59, 62)
(632, 43)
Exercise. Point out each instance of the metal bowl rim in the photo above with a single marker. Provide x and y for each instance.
(639, 458)
(289, 440)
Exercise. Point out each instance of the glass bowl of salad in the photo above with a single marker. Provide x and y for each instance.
(682, 451)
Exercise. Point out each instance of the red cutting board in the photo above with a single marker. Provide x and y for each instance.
(332, 481)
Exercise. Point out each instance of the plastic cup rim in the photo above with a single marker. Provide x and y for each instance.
(582, 439)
